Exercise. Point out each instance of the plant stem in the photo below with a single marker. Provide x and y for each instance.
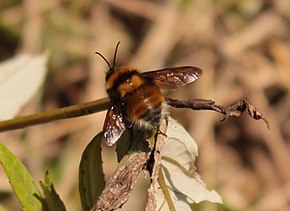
(57, 114)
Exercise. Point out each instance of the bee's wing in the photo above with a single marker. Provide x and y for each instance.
(172, 78)
(114, 125)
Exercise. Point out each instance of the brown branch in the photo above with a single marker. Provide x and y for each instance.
(122, 182)
(120, 185)
(235, 110)
(156, 161)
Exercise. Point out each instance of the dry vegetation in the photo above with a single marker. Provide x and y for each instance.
(243, 48)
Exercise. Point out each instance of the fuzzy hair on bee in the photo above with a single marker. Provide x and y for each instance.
(137, 98)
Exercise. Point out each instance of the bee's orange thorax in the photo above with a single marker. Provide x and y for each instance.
(130, 85)
(116, 74)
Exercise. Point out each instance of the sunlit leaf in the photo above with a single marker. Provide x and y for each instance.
(178, 204)
(20, 78)
(91, 176)
(51, 197)
(180, 146)
(182, 182)
(20, 180)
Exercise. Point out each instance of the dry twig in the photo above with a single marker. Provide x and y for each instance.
(235, 110)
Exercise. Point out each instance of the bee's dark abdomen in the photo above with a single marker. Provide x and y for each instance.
(145, 103)
(153, 116)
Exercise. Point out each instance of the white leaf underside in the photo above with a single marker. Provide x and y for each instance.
(20, 78)
(184, 184)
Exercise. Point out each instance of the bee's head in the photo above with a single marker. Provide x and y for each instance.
(112, 68)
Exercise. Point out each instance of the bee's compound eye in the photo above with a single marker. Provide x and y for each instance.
(128, 81)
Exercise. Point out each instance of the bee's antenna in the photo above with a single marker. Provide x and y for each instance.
(115, 54)
(98, 53)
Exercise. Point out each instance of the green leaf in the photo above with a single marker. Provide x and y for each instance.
(91, 175)
(52, 199)
(135, 140)
(183, 183)
(124, 143)
(21, 181)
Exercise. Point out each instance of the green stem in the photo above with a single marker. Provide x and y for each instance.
(57, 114)
(165, 191)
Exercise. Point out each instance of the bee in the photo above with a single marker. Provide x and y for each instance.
(138, 98)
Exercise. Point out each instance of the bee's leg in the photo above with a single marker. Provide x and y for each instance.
(160, 132)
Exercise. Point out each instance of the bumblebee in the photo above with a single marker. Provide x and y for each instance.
(137, 98)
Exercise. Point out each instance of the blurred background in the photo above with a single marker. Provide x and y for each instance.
(243, 48)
